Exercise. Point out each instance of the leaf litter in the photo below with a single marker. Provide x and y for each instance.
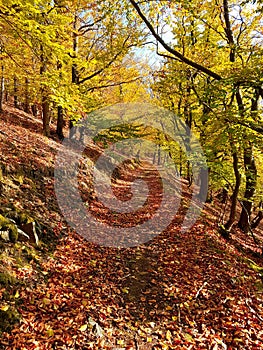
(179, 291)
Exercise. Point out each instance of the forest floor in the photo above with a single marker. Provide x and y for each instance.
(191, 290)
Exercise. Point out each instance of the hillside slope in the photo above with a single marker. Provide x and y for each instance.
(179, 291)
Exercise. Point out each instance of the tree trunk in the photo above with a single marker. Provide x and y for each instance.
(188, 122)
(181, 162)
(2, 88)
(154, 156)
(26, 108)
(74, 70)
(44, 97)
(159, 155)
(251, 182)
(15, 92)
(251, 174)
(232, 215)
(34, 109)
(60, 123)
(202, 195)
(6, 93)
(256, 221)
(45, 115)
(72, 130)
(60, 118)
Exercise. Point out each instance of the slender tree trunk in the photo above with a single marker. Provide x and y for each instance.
(27, 109)
(181, 162)
(251, 175)
(45, 115)
(60, 123)
(15, 92)
(60, 118)
(74, 70)
(188, 122)
(44, 97)
(75, 75)
(251, 182)
(71, 129)
(202, 195)
(6, 92)
(34, 109)
(257, 219)
(159, 155)
(232, 215)
(154, 156)
(204, 171)
(2, 88)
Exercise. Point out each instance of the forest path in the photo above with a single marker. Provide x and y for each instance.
(178, 291)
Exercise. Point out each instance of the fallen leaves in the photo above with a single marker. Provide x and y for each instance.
(179, 291)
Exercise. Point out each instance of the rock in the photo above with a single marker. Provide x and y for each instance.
(29, 230)
(19, 226)
(19, 217)
(22, 236)
(96, 328)
(4, 235)
(8, 225)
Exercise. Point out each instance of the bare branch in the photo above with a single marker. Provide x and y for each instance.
(90, 25)
(108, 64)
(113, 84)
(170, 49)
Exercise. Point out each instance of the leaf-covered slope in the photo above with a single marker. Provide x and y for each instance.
(179, 291)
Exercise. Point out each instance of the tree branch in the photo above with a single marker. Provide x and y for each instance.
(228, 32)
(113, 84)
(170, 49)
(90, 25)
(252, 126)
(107, 65)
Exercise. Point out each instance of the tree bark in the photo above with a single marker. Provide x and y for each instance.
(251, 182)
(45, 115)
(15, 92)
(74, 70)
(251, 176)
(232, 215)
(27, 109)
(202, 195)
(60, 116)
(60, 123)
(34, 109)
(2, 88)
(44, 97)
(256, 221)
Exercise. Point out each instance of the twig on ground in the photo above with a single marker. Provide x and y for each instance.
(179, 313)
(254, 311)
(136, 342)
(200, 289)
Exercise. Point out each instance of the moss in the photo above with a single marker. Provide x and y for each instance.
(7, 208)
(6, 279)
(13, 234)
(30, 254)
(8, 318)
(21, 218)
(3, 222)
(7, 225)
(224, 232)
(1, 174)
(25, 219)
